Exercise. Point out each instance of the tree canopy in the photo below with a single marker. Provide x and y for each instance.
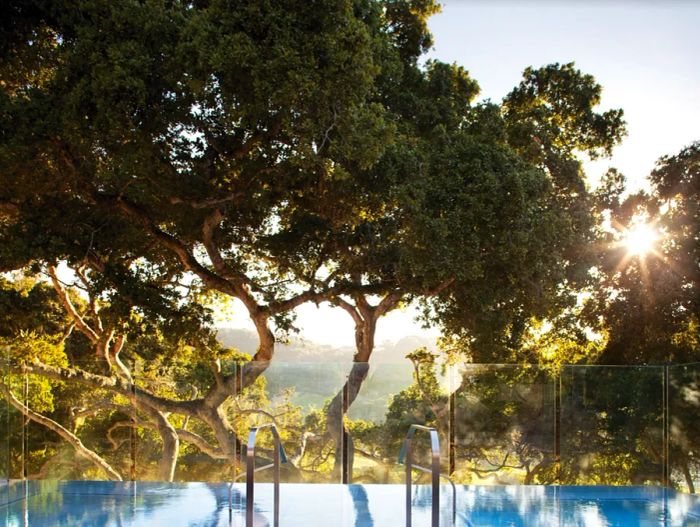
(255, 146)
(648, 303)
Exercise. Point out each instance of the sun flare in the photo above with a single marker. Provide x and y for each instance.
(640, 239)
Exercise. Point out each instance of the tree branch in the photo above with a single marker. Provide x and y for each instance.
(116, 385)
(98, 407)
(282, 306)
(71, 438)
(114, 351)
(352, 310)
(70, 308)
(201, 443)
(257, 138)
(439, 288)
(207, 203)
(210, 223)
(125, 424)
(168, 241)
(388, 303)
(80, 271)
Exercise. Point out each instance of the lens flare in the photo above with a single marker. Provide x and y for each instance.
(640, 239)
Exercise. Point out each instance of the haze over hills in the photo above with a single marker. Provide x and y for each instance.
(311, 373)
(304, 350)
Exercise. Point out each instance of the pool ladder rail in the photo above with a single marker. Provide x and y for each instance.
(279, 457)
(406, 456)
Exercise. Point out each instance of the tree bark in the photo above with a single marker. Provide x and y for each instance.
(340, 404)
(201, 443)
(688, 478)
(365, 317)
(170, 439)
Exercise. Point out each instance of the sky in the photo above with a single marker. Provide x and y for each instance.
(643, 53)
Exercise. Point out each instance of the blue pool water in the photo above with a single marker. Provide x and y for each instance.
(98, 504)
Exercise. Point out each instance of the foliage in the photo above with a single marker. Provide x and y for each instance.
(26, 307)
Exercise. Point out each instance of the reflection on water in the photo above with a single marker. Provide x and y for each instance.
(98, 504)
(360, 502)
(578, 506)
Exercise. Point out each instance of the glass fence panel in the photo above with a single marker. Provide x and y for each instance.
(76, 430)
(390, 398)
(612, 425)
(684, 427)
(13, 487)
(306, 401)
(497, 424)
(504, 424)
(4, 429)
(15, 396)
(213, 411)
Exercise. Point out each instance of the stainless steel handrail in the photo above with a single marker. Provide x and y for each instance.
(406, 455)
(279, 456)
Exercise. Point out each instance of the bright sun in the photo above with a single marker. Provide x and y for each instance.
(640, 239)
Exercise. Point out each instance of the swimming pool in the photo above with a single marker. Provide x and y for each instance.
(98, 504)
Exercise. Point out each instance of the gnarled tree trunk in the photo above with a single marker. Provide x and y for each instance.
(365, 317)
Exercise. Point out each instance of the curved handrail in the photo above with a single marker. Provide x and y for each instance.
(279, 457)
(406, 455)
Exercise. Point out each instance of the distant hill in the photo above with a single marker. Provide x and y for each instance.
(302, 350)
(316, 372)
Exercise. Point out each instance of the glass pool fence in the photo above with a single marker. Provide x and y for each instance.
(345, 423)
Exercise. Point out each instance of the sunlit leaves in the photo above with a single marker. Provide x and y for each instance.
(648, 301)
